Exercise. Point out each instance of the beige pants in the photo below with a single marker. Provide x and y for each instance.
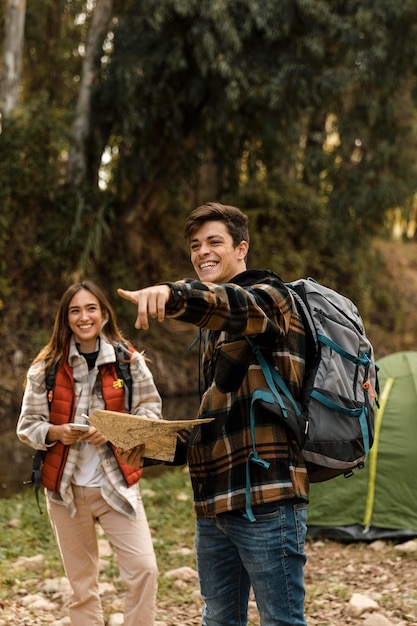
(132, 543)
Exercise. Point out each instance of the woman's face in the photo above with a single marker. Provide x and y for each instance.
(85, 319)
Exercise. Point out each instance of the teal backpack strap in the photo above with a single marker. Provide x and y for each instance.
(271, 377)
(253, 457)
(363, 359)
(273, 380)
(360, 413)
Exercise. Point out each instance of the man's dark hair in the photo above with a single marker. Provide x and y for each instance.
(235, 220)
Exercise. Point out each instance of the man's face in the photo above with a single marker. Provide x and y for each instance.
(213, 255)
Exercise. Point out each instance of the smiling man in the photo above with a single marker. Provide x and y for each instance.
(249, 480)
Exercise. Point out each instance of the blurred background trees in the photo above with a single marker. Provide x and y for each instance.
(129, 113)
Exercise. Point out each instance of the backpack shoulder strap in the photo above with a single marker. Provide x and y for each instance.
(50, 381)
(123, 369)
(273, 379)
(37, 459)
(36, 479)
(312, 343)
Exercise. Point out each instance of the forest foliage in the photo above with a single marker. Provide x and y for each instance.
(132, 112)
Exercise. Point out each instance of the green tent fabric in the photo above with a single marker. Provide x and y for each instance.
(380, 500)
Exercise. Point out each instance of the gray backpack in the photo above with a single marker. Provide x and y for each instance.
(335, 424)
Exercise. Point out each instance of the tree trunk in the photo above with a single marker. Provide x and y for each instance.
(12, 55)
(77, 157)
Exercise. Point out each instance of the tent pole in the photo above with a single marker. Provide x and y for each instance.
(373, 453)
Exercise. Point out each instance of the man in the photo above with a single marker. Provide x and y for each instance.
(249, 480)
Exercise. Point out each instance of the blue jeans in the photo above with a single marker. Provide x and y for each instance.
(234, 554)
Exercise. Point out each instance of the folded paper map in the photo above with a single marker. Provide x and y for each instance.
(127, 431)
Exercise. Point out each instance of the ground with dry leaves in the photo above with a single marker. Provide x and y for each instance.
(382, 571)
(334, 573)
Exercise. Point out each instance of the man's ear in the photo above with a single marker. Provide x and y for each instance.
(243, 248)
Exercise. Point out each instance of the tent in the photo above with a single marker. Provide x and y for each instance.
(380, 500)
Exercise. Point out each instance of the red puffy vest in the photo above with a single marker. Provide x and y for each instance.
(62, 411)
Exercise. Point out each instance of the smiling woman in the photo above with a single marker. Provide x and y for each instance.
(86, 480)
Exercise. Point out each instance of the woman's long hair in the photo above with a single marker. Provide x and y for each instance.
(55, 349)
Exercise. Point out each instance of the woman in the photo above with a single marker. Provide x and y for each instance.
(85, 479)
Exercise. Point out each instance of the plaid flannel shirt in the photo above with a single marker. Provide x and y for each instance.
(256, 304)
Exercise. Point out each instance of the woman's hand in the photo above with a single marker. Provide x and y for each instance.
(68, 435)
(93, 437)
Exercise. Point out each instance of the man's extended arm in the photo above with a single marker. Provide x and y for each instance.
(260, 308)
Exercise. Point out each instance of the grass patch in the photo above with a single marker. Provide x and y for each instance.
(168, 504)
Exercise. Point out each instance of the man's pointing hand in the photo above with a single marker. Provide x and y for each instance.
(151, 302)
